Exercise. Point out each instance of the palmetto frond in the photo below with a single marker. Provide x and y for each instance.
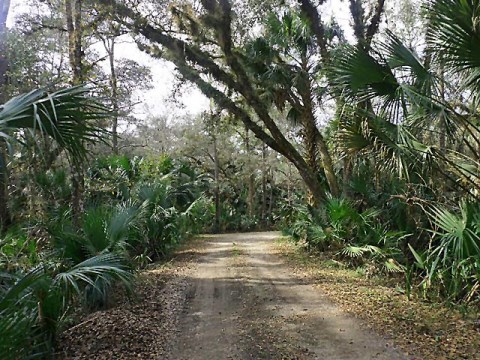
(108, 267)
(453, 260)
(290, 31)
(396, 100)
(358, 75)
(454, 34)
(393, 77)
(369, 135)
(358, 251)
(33, 305)
(19, 287)
(18, 315)
(460, 238)
(66, 115)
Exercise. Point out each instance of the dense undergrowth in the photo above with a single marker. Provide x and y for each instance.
(440, 261)
(136, 212)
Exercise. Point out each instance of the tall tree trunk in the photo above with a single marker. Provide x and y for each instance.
(271, 198)
(110, 45)
(442, 129)
(4, 215)
(216, 170)
(289, 185)
(251, 179)
(328, 165)
(264, 185)
(73, 13)
(4, 9)
(311, 150)
(314, 141)
(347, 175)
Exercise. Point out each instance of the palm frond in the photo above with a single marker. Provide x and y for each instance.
(359, 76)
(108, 267)
(454, 34)
(353, 251)
(67, 115)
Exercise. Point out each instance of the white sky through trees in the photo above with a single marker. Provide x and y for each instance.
(158, 100)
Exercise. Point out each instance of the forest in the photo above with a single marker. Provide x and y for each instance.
(350, 126)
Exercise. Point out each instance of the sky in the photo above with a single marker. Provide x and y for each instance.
(157, 101)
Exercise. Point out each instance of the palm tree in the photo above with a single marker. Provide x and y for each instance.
(454, 36)
(422, 122)
(65, 115)
(406, 101)
(284, 65)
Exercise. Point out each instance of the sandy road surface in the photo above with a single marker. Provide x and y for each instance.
(242, 302)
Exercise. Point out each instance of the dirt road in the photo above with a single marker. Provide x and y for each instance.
(242, 302)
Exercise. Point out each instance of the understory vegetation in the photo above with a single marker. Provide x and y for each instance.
(359, 140)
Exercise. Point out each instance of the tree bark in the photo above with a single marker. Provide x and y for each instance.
(311, 12)
(328, 166)
(442, 129)
(264, 185)
(114, 86)
(314, 141)
(271, 199)
(4, 10)
(216, 190)
(73, 14)
(251, 179)
(4, 214)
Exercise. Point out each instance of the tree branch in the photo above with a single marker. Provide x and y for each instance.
(311, 12)
(374, 23)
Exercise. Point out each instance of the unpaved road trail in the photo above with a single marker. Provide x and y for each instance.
(243, 302)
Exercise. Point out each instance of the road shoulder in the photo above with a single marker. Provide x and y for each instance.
(421, 329)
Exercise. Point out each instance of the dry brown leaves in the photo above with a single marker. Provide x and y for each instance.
(143, 328)
(423, 330)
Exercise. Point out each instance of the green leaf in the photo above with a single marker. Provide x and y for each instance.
(419, 260)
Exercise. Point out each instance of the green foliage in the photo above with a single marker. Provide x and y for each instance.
(354, 237)
(44, 280)
(452, 262)
(66, 115)
(17, 251)
(405, 137)
(38, 301)
(458, 20)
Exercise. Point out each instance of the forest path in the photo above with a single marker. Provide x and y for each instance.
(243, 302)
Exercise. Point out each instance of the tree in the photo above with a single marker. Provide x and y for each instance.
(206, 45)
(4, 9)
(237, 80)
(126, 76)
(405, 92)
(65, 115)
(73, 18)
(283, 65)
